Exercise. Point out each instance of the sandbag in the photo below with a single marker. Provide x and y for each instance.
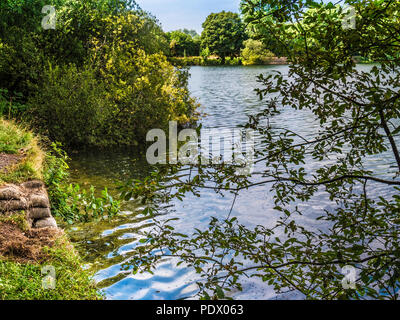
(46, 223)
(38, 213)
(10, 192)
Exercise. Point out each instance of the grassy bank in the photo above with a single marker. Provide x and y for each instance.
(24, 252)
(21, 156)
(24, 280)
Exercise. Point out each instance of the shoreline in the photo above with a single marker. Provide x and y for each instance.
(200, 61)
(275, 61)
(37, 259)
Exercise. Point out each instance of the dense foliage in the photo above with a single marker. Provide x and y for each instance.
(223, 34)
(94, 79)
(255, 53)
(221, 42)
(184, 43)
(356, 117)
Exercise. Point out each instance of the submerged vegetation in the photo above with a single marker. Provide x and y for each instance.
(22, 159)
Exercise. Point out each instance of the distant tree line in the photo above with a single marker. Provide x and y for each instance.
(183, 43)
(224, 36)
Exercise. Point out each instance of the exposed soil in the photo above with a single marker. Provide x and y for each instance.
(25, 246)
(8, 160)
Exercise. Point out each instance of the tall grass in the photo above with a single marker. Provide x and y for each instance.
(16, 140)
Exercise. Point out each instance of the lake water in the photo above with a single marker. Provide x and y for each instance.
(227, 97)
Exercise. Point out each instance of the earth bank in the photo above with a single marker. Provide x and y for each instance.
(33, 250)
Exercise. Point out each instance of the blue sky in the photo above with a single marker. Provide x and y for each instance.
(190, 14)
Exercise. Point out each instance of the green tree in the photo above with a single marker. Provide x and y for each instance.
(191, 33)
(105, 62)
(181, 42)
(255, 53)
(223, 33)
(357, 117)
(116, 96)
(25, 47)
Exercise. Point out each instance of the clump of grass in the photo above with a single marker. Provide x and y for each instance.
(19, 219)
(16, 140)
(25, 281)
(13, 138)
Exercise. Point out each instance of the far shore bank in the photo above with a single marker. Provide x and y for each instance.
(215, 61)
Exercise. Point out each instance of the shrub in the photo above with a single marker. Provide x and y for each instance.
(233, 61)
(255, 53)
(187, 61)
(20, 62)
(11, 105)
(71, 105)
(119, 94)
(100, 79)
(182, 44)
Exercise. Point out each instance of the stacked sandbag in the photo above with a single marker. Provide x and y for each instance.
(30, 197)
